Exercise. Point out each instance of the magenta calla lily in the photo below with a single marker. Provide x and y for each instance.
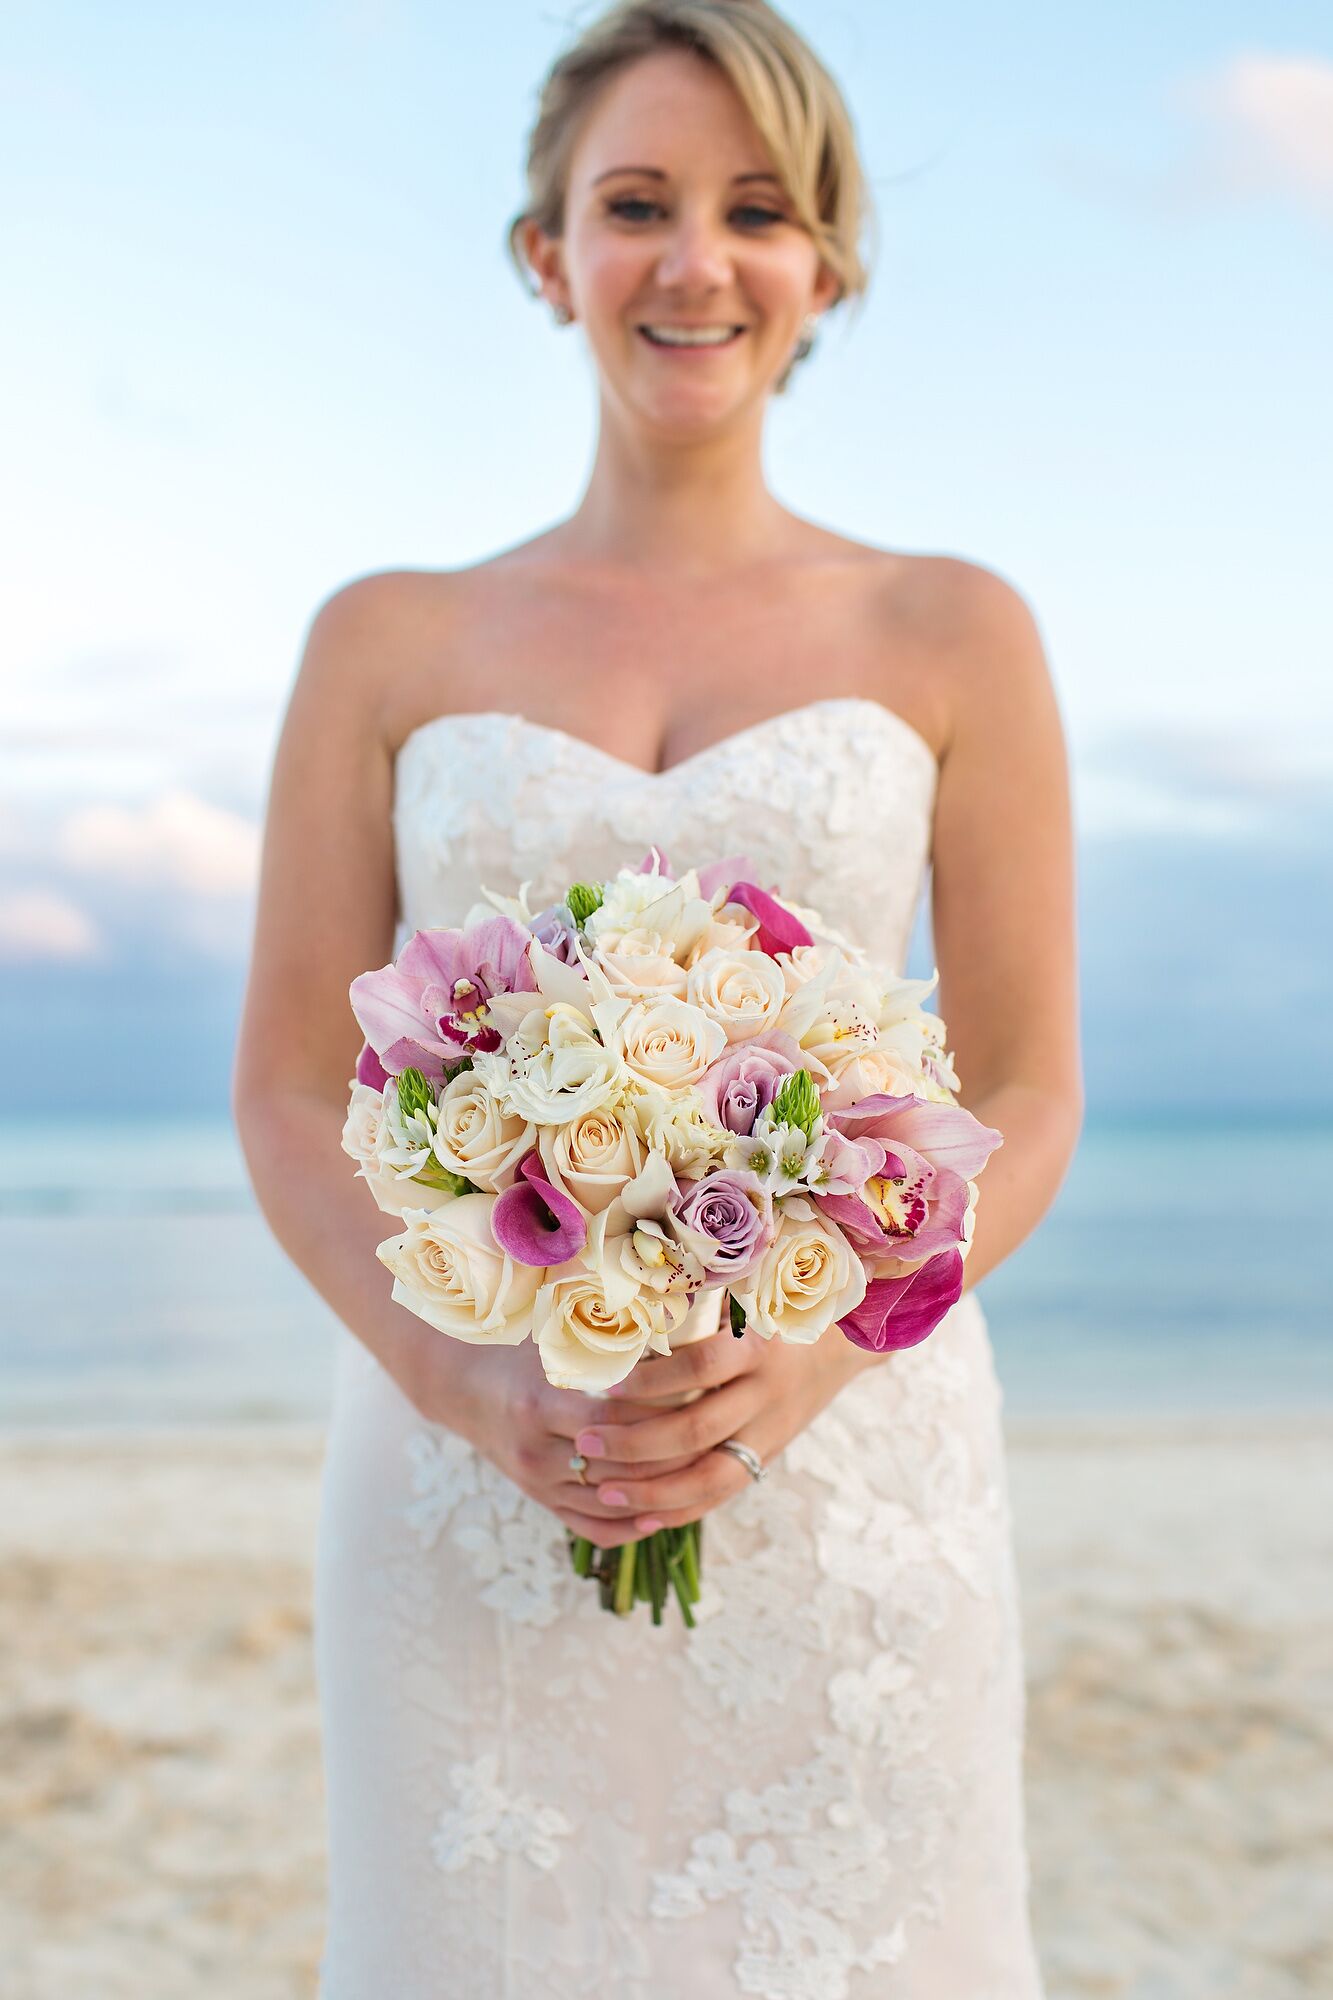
(537, 1223)
(778, 929)
(428, 1008)
(900, 1312)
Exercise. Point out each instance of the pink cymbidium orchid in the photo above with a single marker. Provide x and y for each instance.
(428, 1009)
(907, 1222)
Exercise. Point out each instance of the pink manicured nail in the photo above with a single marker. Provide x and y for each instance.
(590, 1445)
(649, 1526)
(611, 1496)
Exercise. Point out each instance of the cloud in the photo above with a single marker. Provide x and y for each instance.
(37, 925)
(1201, 782)
(1272, 126)
(175, 840)
(1258, 126)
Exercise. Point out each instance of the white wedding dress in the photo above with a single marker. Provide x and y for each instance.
(817, 1793)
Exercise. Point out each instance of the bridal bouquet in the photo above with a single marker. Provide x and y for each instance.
(660, 1105)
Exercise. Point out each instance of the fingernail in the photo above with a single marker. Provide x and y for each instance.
(649, 1526)
(590, 1445)
(611, 1496)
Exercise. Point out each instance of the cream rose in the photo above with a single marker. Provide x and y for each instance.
(374, 1139)
(449, 1270)
(744, 991)
(861, 1072)
(675, 1124)
(593, 1156)
(809, 1277)
(639, 962)
(668, 1043)
(476, 1137)
(731, 930)
(627, 1290)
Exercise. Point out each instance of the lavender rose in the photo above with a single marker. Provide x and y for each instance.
(738, 1086)
(727, 1220)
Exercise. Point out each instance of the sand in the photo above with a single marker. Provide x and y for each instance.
(161, 1828)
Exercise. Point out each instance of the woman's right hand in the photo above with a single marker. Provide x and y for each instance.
(499, 1399)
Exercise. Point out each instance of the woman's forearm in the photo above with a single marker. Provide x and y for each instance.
(1022, 1177)
(326, 1220)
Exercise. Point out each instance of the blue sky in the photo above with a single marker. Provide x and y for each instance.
(261, 335)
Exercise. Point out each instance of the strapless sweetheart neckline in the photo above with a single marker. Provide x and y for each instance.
(889, 716)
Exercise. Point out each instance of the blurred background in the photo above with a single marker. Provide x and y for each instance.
(261, 336)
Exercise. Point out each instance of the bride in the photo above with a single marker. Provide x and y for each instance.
(816, 1794)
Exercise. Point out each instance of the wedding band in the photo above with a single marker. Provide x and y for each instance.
(749, 1459)
(579, 1464)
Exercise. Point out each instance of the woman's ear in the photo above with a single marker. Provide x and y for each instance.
(545, 257)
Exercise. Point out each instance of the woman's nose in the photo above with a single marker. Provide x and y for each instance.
(696, 254)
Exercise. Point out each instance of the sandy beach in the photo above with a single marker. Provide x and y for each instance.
(161, 1826)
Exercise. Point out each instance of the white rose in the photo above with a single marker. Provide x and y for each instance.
(593, 1156)
(668, 1043)
(809, 1277)
(475, 1136)
(675, 1124)
(449, 1270)
(743, 990)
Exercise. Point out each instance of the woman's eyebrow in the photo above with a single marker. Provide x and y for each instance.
(657, 174)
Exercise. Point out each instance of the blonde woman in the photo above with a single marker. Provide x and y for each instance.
(816, 1794)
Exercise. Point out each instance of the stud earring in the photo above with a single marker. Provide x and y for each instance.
(561, 314)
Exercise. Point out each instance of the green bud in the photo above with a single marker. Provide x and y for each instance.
(737, 1314)
(414, 1092)
(797, 1102)
(581, 899)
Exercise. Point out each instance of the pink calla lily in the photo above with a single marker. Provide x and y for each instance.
(778, 929)
(536, 1223)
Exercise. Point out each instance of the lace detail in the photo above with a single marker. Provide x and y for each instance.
(816, 1794)
(488, 1821)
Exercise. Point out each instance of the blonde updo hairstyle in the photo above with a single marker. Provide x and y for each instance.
(796, 107)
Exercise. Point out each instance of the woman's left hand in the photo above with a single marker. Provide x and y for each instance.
(667, 1470)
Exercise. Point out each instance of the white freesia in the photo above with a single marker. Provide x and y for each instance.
(570, 1073)
(808, 1278)
(668, 1043)
(777, 1154)
(475, 1136)
(449, 1270)
(743, 990)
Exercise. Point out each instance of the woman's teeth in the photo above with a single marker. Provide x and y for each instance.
(690, 336)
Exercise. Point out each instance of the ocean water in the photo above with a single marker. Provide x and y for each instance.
(1186, 1267)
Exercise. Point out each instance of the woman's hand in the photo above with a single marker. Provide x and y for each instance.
(499, 1399)
(661, 1469)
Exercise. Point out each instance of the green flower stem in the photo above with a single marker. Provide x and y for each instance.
(691, 1559)
(624, 1592)
(580, 1549)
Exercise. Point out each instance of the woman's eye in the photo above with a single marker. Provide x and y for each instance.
(632, 207)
